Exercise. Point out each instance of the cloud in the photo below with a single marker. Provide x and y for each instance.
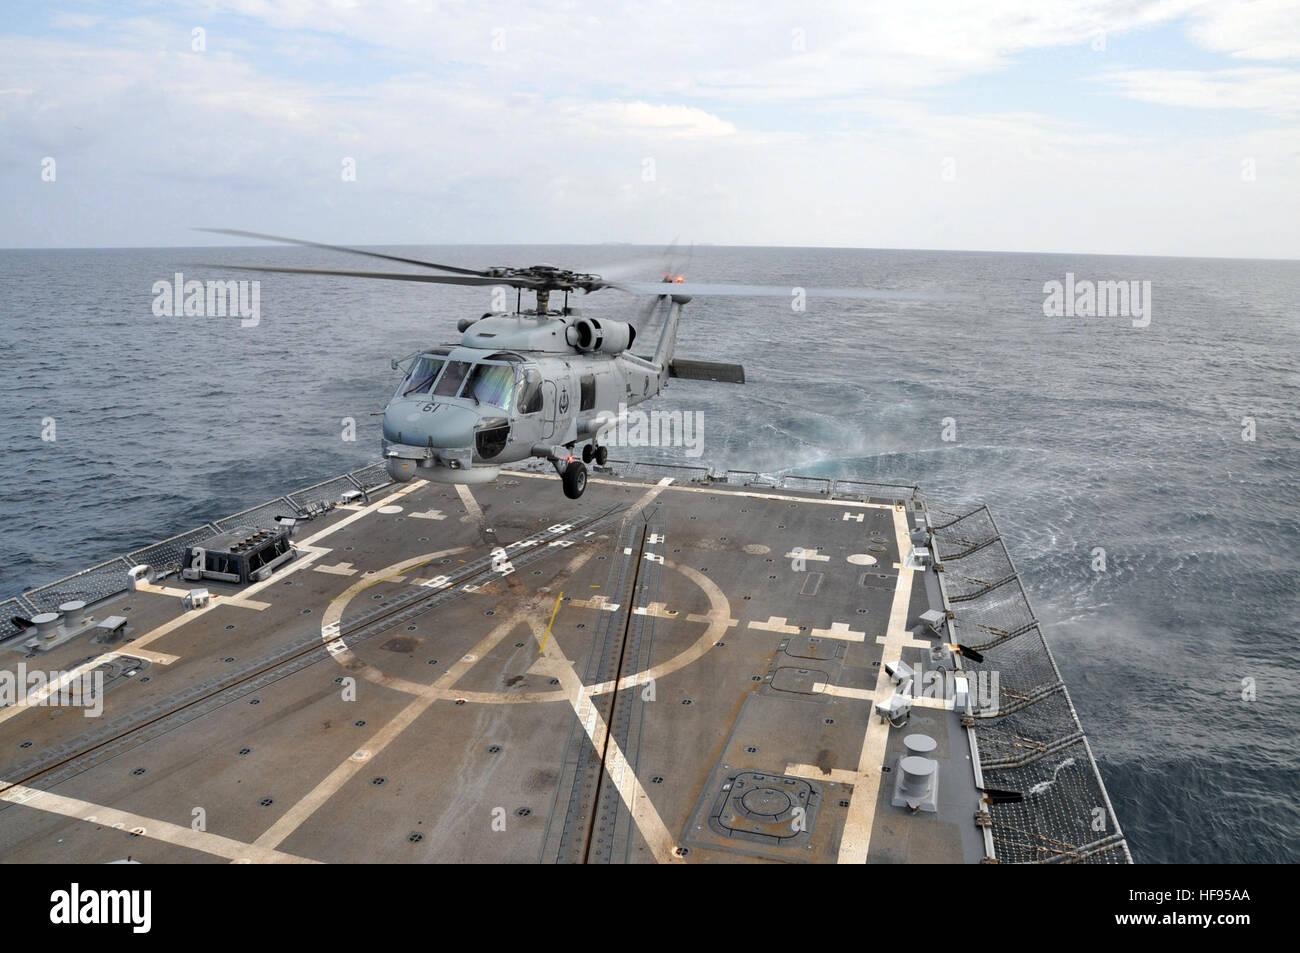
(1273, 91)
(742, 52)
(76, 21)
(1249, 29)
(831, 124)
(649, 119)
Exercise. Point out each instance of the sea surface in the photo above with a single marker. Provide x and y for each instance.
(1080, 433)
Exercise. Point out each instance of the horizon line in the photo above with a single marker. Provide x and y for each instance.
(658, 246)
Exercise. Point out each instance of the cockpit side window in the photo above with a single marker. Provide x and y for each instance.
(530, 397)
(449, 383)
(421, 376)
(492, 384)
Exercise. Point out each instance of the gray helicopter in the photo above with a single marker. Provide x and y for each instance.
(535, 383)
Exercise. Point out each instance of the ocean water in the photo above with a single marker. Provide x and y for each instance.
(1080, 433)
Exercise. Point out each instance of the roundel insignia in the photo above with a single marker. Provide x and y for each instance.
(564, 401)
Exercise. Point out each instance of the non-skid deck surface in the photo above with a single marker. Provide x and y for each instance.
(648, 674)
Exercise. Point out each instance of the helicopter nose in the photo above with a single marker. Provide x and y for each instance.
(445, 425)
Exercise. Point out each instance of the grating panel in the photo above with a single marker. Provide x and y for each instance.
(89, 585)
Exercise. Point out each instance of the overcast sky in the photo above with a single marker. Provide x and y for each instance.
(1108, 126)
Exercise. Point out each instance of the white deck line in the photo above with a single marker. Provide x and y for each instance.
(164, 831)
(856, 838)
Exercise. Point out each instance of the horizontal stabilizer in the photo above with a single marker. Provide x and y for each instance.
(706, 371)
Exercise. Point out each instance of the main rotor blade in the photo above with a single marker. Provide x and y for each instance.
(776, 291)
(645, 266)
(649, 319)
(475, 280)
(355, 251)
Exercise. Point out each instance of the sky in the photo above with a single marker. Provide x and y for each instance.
(1169, 127)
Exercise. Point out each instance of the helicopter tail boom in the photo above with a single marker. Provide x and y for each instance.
(668, 336)
(684, 369)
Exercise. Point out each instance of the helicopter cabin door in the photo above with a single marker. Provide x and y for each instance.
(549, 401)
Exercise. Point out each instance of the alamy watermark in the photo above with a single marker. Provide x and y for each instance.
(212, 299)
(131, 908)
(1098, 299)
(947, 685)
(53, 689)
(655, 428)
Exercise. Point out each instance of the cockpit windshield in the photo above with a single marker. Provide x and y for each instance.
(449, 383)
(436, 375)
(491, 384)
(421, 376)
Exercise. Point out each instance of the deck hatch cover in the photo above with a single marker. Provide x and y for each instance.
(765, 809)
(878, 580)
(812, 647)
(799, 681)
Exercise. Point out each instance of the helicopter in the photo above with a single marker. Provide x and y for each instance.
(532, 383)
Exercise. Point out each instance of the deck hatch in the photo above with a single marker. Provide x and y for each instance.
(765, 809)
(799, 681)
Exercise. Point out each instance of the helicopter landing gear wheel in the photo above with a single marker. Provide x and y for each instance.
(587, 453)
(602, 454)
(575, 480)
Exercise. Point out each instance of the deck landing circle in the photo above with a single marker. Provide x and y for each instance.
(718, 621)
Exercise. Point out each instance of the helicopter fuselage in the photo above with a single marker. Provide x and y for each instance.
(517, 386)
(533, 383)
